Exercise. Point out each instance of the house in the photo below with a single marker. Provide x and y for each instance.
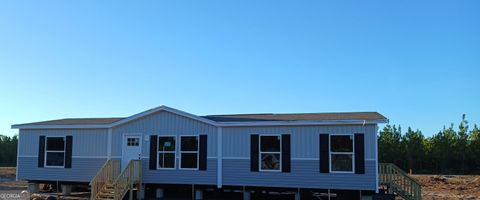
(164, 149)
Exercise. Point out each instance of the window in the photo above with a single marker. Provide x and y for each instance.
(133, 142)
(189, 152)
(55, 152)
(166, 152)
(341, 153)
(270, 153)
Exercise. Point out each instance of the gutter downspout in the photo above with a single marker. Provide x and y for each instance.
(376, 160)
(109, 144)
(219, 158)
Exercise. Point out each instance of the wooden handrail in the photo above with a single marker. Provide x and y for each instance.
(132, 174)
(398, 181)
(106, 174)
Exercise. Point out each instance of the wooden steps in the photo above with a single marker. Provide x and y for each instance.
(110, 184)
(396, 181)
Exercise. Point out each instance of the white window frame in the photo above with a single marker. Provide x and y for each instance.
(54, 151)
(139, 140)
(161, 151)
(330, 153)
(260, 153)
(197, 152)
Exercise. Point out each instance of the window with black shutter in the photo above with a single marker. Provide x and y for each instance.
(54, 151)
(341, 153)
(270, 153)
(166, 152)
(189, 146)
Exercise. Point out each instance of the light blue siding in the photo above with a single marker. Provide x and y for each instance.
(167, 176)
(83, 170)
(86, 142)
(164, 123)
(304, 174)
(304, 139)
(90, 151)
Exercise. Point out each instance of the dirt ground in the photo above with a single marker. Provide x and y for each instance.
(449, 187)
(434, 187)
(7, 180)
(9, 185)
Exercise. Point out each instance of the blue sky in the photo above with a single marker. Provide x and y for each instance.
(416, 62)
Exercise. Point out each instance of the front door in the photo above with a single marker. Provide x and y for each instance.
(132, 149)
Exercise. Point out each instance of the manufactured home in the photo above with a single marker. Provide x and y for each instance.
(156, 153)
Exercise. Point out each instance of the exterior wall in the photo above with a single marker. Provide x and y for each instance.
(304, 139)
(304, 155)
(304, 174)
(178, 176)
(83, 170)
(86, 142)
(89, 152)
(166, 123)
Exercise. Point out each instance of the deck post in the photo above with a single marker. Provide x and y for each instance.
(66, 189)
(141, 191)
(246, 195)
(297, 196)
(198, 194)
(159, 193)
(33, 187)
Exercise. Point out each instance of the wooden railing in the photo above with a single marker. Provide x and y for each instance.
(399, 182)
(107, 174)
(130, 176)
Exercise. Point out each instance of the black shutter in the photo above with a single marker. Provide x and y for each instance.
(41, 151)
(153, 152)
(324, 154)
(254, 153)
(286, 153)
(203, 153)
(359, 154)
(68, 152)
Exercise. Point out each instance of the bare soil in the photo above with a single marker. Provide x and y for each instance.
(9, 185)
(7, 180)
(449, 186)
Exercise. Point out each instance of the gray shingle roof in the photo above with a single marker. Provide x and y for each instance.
(297, 117)
(235, 118)
(78, 121)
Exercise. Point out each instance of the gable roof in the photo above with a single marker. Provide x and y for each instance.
(105, 122)
(219, 120)
(297, 117)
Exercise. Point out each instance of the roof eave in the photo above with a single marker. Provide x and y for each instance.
(300, 123)
(76, 126)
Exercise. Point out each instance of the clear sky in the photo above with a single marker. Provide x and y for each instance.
(416, 62)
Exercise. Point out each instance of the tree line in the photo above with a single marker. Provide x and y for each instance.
(8, 151)
(453, 150)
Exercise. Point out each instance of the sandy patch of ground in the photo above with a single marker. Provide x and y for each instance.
(449, 187)
(7, 180)
(9, 185)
